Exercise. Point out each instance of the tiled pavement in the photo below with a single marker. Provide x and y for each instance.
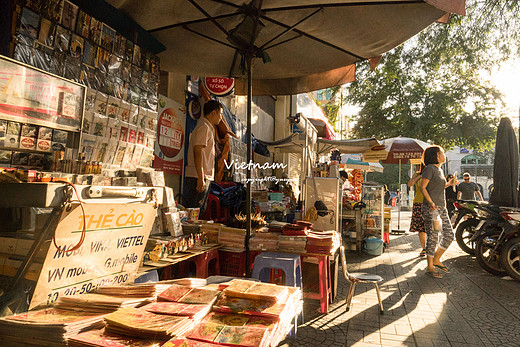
(468, 307)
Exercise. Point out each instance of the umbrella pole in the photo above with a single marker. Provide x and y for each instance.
(249, 158)
(399, 231)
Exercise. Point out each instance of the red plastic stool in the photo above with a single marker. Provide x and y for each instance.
(203, 261)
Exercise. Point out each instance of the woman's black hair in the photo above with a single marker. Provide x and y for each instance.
(430, 155)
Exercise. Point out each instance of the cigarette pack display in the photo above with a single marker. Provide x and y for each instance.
(62, 40)
(5, 158)
(3, 131)
(59, 136)
(69, 15)
(76, 46)
(95, 30)
(29, 130)
(88, 118)
(45, 133)
(100, 105)
(29, 22)
(123, 133)
(132, 134)
(83, 24)
(20, 159)
(43, 145)
(47, 31)
(107, 37)
(68, 105)
(27, 142)
(12, 141)
(36, 159)
(13, 128)
(140, 138)
(113, 129)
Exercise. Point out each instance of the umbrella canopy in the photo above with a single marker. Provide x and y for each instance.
(353, 161)
(401, 149)
(505, 168)
(306, 44)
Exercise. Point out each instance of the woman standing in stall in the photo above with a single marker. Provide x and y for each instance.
(434, 206)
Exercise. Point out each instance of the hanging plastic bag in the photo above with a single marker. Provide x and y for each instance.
(437, 222)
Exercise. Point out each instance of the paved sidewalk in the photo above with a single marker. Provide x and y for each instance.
(468, 307)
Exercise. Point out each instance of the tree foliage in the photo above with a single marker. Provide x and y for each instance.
(434, 87)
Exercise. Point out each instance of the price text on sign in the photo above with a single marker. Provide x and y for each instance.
(110, 255)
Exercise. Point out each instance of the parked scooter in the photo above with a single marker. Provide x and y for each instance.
(467, 215)
(510, 256)
(492, 235)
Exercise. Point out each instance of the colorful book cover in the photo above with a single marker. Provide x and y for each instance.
(242, 336)
(46, 34)
(89, 54)
(138, 320)
(53, 316)
(200, 296)
(76, 46)
(83, 24)
(95, 30)
(227, 319)
(176, 342)
(206, 332)
(103, 338)
(52, 10)
(249, 306)
(108, 36)
(174, 293)
(69, 15)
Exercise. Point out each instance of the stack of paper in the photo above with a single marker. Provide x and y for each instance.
(295, 230)
(264, 242)
(322, 242)
(140, 323)
(190, 282)
(256, 290)
(247, 336)
(47, 327)
(193, 311)
(187, 295)
(295, 244)
(102, 338)
(99, 302)
(232, 238)
(136, 290)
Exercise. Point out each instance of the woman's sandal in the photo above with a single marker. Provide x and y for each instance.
(423, 253)
(434, 274)
(443, 268)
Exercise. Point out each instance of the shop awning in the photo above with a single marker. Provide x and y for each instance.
(352, 146)
(291, 144)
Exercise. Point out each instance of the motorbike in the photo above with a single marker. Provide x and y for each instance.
(464, 231)
(510, 256)
(495, 232)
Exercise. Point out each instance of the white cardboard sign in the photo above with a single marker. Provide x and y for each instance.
(110, 254)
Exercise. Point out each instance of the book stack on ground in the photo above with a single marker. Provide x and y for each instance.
(264, 242)
(294, 244)
(100, 337)
(232, 238)
(47, 327)
(139, 323)
(276, 226)
(100, 303)
(295, 230)
(322, 242)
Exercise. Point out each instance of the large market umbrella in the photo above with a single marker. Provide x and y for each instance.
(304, 45)
(354, 161)
(400, 151)
(505, 168)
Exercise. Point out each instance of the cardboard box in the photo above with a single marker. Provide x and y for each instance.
(260, 195)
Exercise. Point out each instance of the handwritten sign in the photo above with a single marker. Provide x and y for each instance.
(110, 255)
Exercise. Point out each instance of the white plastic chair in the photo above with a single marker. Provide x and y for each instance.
(356, 278)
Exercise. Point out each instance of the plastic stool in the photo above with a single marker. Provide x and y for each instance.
(202, 263)
(289, 263)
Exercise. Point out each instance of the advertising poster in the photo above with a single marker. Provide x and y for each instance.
(170, 139)
(115, 239)
(30, 96)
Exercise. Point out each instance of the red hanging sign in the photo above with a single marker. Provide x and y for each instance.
(219, 86)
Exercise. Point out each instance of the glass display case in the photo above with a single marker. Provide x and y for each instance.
(373, 216)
